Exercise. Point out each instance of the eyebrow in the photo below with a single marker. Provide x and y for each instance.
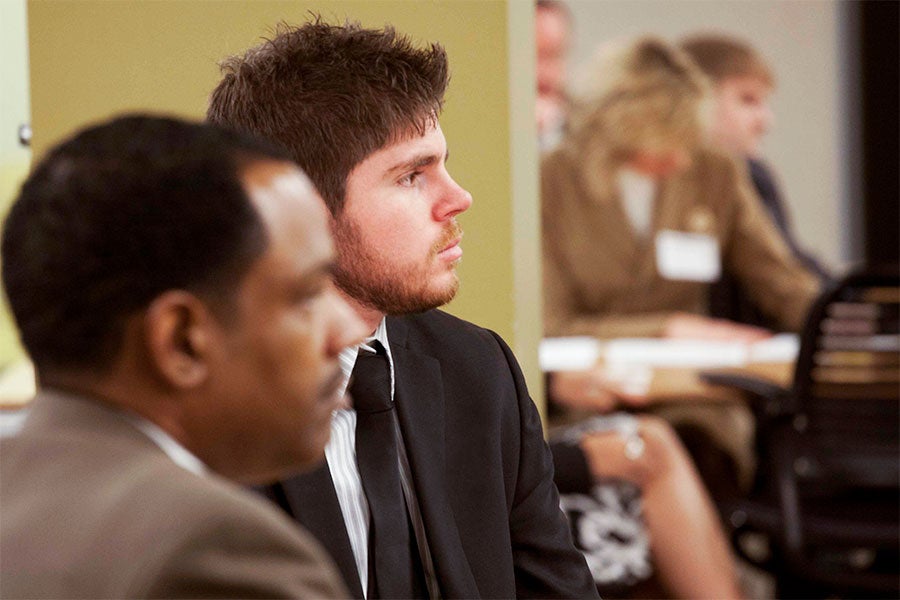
(310, 279)
(417, 162)
(326, 268)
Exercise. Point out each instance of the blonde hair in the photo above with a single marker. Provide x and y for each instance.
(643, 95)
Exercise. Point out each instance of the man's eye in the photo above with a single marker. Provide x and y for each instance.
(309, 296)
(304, 300)
(409, 179)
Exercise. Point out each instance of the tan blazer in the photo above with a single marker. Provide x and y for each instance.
(600, 278)
(92, 508)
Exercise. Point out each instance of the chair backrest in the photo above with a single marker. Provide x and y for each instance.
(847, 384)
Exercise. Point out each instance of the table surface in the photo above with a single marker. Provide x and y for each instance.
(679, 384)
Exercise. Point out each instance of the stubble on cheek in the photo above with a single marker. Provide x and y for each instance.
(378, 282)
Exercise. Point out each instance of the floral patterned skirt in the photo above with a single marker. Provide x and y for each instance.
(607, 524)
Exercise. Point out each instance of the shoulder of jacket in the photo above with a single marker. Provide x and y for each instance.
(710, 160)
(438, 332)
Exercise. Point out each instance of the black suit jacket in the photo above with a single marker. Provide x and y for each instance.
(481, 470)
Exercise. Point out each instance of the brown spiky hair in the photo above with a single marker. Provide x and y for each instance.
(331, 95)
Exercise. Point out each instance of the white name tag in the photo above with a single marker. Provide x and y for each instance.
(687, 256)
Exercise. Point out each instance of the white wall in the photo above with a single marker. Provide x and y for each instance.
(802, 40)
(14, 158)
(14, 102)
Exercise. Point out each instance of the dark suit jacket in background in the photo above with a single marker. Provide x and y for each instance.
(481, 470)
(764, 183)
(90, 507)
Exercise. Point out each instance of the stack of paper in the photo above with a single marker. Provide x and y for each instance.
(568, 353)
(580, 353)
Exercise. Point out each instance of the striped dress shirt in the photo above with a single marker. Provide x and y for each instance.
(341, 456)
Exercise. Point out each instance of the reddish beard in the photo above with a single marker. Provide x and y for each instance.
(392, 289)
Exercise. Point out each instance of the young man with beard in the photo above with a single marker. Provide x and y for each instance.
(471, 509)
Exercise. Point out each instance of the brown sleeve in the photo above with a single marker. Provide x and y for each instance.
(762, 261)
(563, 312)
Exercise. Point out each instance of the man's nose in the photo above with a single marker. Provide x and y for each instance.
(454, 200)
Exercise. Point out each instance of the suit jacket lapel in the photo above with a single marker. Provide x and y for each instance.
(312, 501)
(420, 406)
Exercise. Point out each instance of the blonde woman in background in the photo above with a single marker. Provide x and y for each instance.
(634, 166)
(630, 192)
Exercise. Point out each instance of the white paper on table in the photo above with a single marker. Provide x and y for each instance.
(630, 361)
(652, 352)
(633, 380)
(578, 353)
(781, 348)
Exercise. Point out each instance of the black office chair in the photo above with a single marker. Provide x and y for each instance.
(823, 513)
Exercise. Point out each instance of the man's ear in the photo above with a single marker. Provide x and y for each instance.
(177, 329)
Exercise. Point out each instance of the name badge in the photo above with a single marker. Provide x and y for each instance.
(687, 256)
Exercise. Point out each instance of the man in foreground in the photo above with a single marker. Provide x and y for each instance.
(171, 283)
(450, 494)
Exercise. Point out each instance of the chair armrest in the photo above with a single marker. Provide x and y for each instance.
(768, 400)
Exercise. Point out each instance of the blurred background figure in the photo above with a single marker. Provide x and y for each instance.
(553, 31)
(640, 217)
(743, 82)
(637, 505)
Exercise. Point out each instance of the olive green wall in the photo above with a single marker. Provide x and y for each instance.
(91, 59)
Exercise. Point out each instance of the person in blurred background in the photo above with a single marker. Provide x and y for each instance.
(553, 32)
(628, 485)
(172, 284)
(639, 511)
(743, 82)
(639, 219)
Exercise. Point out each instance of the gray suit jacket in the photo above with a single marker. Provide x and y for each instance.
(92, 508)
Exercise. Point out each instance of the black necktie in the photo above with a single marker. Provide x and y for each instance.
(394, 570)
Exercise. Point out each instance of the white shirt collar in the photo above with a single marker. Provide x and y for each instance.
(638, 192)
(180, 455)
(347, 358)
(381, 336)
